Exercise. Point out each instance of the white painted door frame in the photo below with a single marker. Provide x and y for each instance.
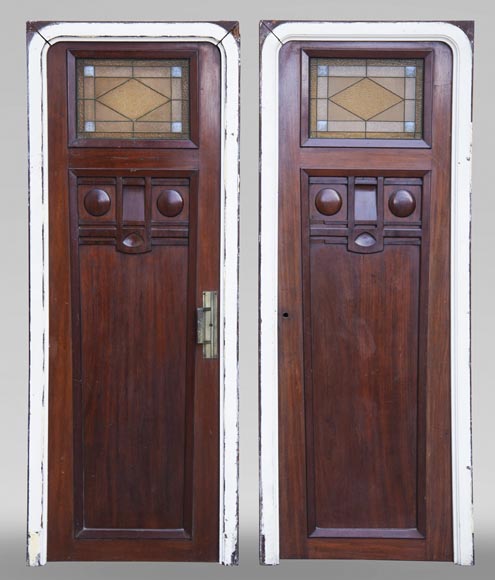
(39, 39)
(461, 48)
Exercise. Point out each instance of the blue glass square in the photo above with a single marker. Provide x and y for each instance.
(322, 70)
(176, 71)
(410, 71)
(177, 127)
(321, 126)
(89, 126)
(409, 127)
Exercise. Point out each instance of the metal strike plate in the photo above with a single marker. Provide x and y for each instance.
(207, 326)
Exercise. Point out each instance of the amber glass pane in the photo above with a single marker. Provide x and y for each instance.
(132, 99)
(366, 98)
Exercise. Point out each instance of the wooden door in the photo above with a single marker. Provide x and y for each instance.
(364, 344)
(134, 179)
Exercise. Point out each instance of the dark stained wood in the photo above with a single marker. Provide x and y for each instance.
(170, 203)
(364, 400)
(402, 203)
(176, 159)
(364, 338)
(134, 407)
(292, 468)
(438, 514)
(134, 387)
(389, 161)
(60, 405)
(328, 201)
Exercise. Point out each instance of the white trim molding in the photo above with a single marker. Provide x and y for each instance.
(460, 45)
(40, 37)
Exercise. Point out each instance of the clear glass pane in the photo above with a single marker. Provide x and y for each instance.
(132, 99)
(365, 203)
(366, 98)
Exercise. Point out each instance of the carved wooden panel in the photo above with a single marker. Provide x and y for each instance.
(134, 349)
(365, 212)
(133, 213)
(362, 353)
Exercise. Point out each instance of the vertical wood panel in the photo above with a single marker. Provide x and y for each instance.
(364, 319)
(60, 452)
(133, 323)
(207, 402)
(291, 370)
(438, 379)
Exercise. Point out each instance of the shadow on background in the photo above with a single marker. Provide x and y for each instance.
(12, 567)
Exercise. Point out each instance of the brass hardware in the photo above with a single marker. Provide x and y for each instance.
(207, 327)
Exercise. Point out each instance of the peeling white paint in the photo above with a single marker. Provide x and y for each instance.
(269, 509)
(38, 264)
(455, 38)
(229, 308)
(34, 549)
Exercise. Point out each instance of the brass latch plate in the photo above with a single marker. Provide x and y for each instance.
(207, 325)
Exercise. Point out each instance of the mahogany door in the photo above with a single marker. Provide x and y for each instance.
(134, 180)
(364, 355)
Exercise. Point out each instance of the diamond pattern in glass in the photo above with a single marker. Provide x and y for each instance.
(132, 99)
(366, 98)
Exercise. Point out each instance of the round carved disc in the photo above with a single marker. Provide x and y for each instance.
(402, 203)
(328, 201)
(97, 202)
(169, 203)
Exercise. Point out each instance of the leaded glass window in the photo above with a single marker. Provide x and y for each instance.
(132, 99)
(366, 98)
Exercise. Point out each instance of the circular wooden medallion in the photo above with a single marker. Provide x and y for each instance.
(97, 202)
(328, 201)
(170, 203)
(402, 203)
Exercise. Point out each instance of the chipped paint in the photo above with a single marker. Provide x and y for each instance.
(34, 549)
(229, 293)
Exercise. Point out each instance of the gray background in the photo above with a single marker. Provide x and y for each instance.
(14, 269)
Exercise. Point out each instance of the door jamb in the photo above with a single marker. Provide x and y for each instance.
(273, 36)
(40, 36)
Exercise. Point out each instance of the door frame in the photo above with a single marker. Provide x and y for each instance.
(40, 36)
(458, 36)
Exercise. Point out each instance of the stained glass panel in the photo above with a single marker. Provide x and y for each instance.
(132, 99)
(366, 98)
